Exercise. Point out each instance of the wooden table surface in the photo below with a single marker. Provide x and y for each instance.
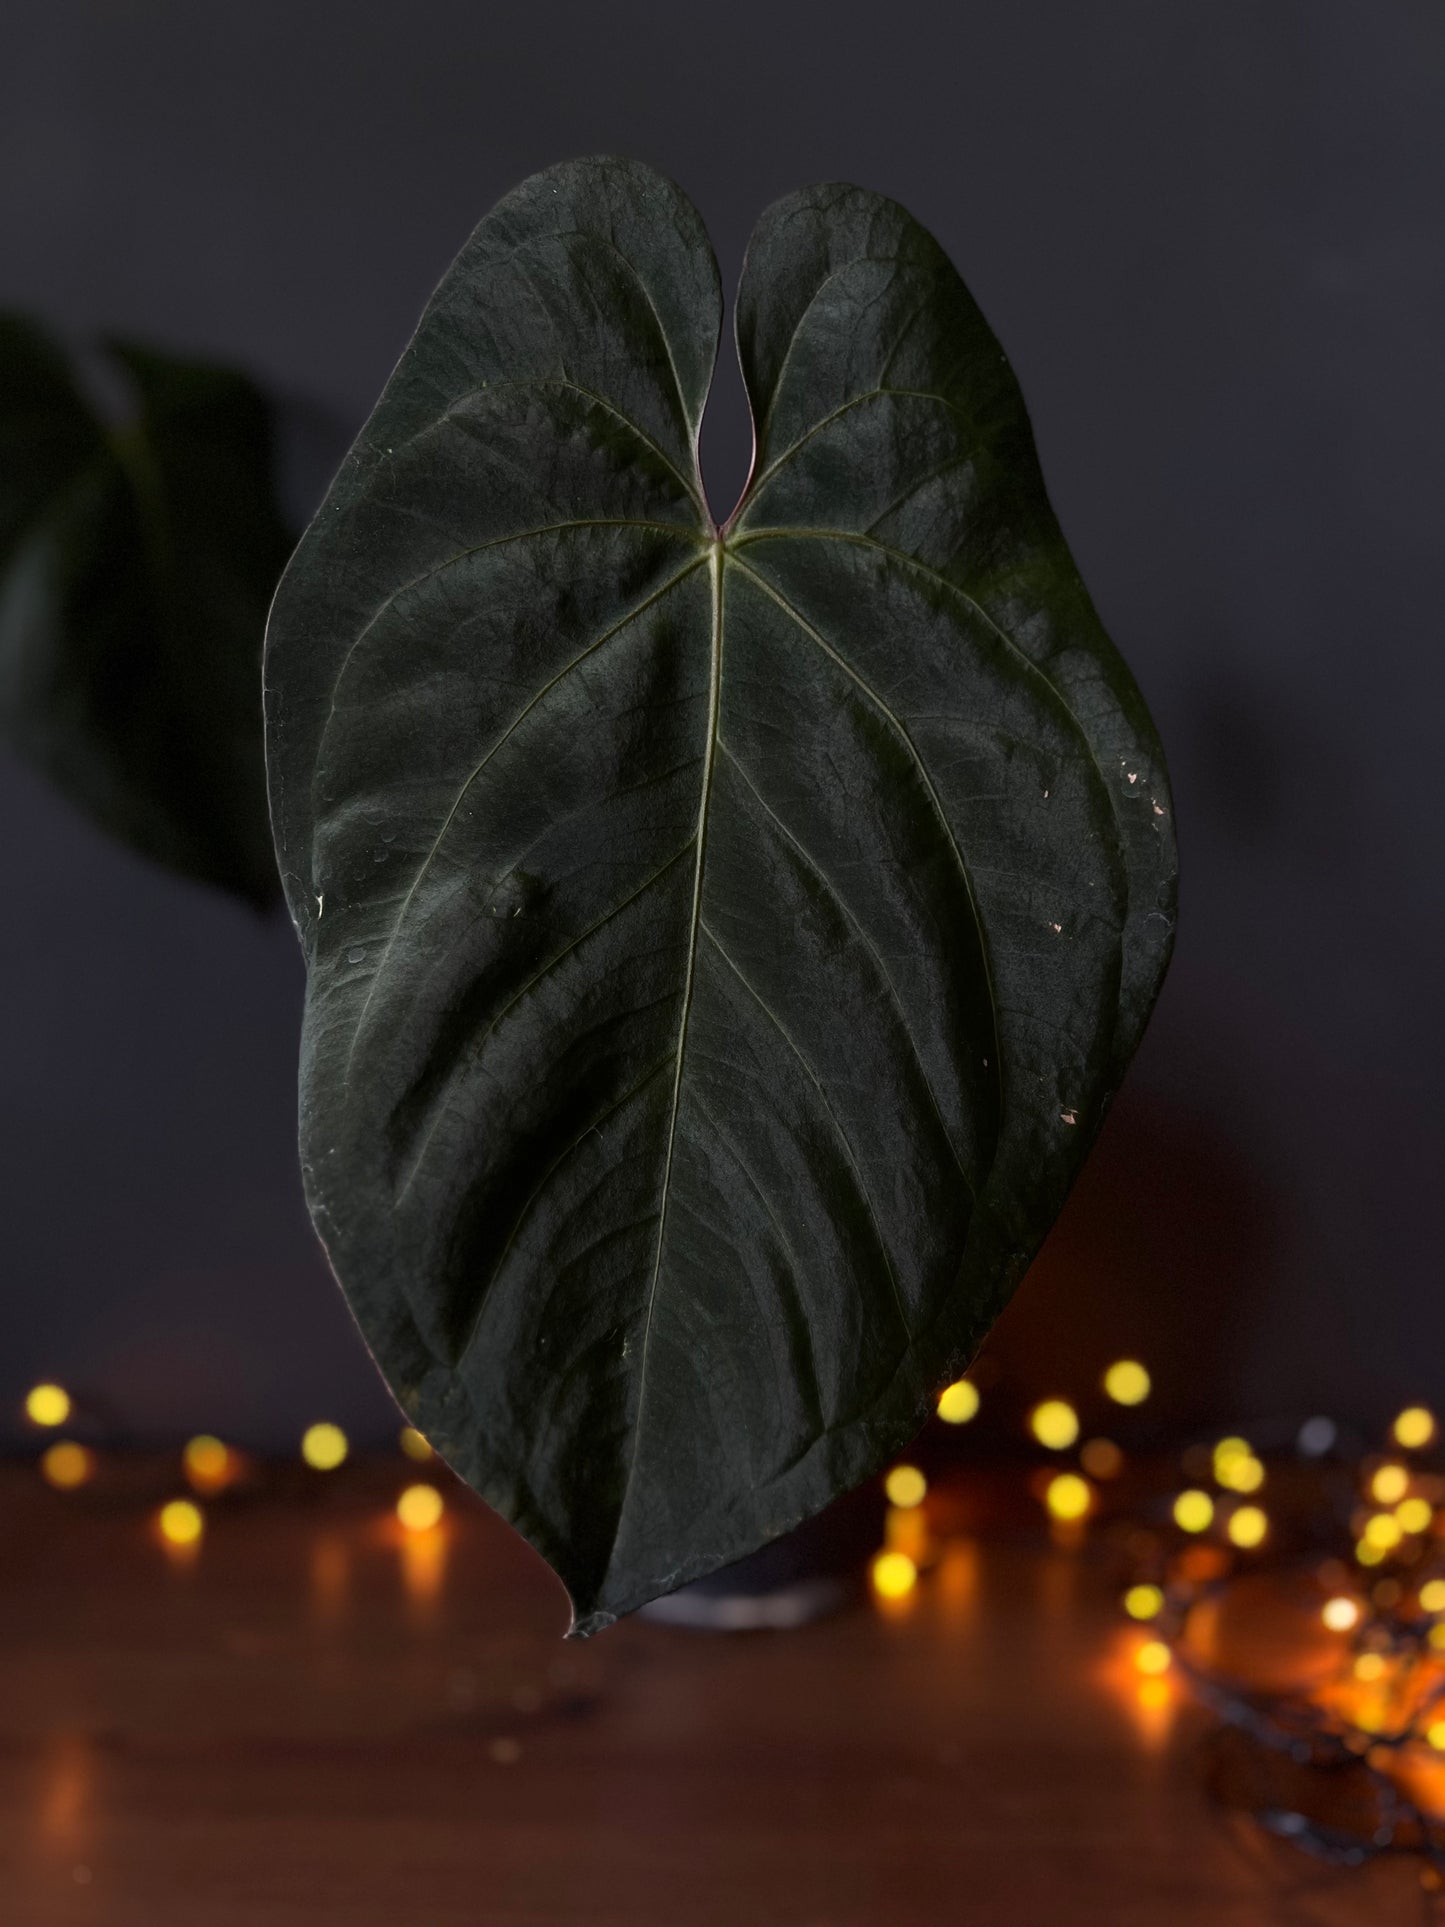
(317, 1721)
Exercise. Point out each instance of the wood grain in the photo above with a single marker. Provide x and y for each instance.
(317, 1722)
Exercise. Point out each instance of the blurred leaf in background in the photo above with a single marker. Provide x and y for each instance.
(137, 561)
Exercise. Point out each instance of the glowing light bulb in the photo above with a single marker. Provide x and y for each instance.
(905, 1486)
(1193, 1511)
(206, 1462)
(414, 1444)
(1068, 1496)
(1153, 1657)
(1143, 1602)
(894, 1575)
(420, 1507)
(1055, 1424)
(1415, 1515)
(1414, 1428)
(1226, 1452)
(47, 1405)
(1341, 1614)
(1101, 1459)
(1432, 1596)
(324, 1447)
(957, 1403)
(1390, 1484)
(1127, 1382)
(1383, 1529)
(181, 1523)
(66, 1465)
(1247, 1527)
(1243, 1473)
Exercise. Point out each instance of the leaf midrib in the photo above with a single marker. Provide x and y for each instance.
(715, 567)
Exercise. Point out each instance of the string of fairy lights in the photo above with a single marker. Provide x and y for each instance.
(1333, 1674)
(1069, 1496)
(1366, 1529)
(209, 1466)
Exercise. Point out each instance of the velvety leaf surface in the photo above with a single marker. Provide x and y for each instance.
(136, 565)
(722, 948)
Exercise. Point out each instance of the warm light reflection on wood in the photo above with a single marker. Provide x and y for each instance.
(423, 1567)
(1151, 1700)
(1058, 1587)
(1068, 1534)
(905, 1529)
(956, 1582)
(330, 1579)
(68, 1775)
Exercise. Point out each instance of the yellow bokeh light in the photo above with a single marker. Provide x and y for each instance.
(1247, 1527)
(413, 1444)
(324, 1447)
(1415, 1515)
(894, 1575)
(1055, 1424)
(1127, 1382)
(1230, 1449)
(957, 1403)
(1068, 1496)
(67, 1465)
(1390, 1484)
(1193, 1511)
(1153, 1657)
(1101, 1459)
(1437, 1638)
(1370, 1666)
(1435, 1734)
(1143, 1602)
(1341, 1613)
(181, 1523)
(1242, 1473)
(1367, 1554)
(420, 1507)
(1383, 1529)
(1432, 1596)
(206, 1461)
(1415, 1427)
(905, 1486)
(47, 1405)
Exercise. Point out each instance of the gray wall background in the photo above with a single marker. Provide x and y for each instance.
(1210, 237)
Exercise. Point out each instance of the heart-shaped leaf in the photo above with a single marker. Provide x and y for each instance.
(722, 946)
(136, 564)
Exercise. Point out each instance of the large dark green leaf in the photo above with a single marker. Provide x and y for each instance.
(721, 949)
(136, 565)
